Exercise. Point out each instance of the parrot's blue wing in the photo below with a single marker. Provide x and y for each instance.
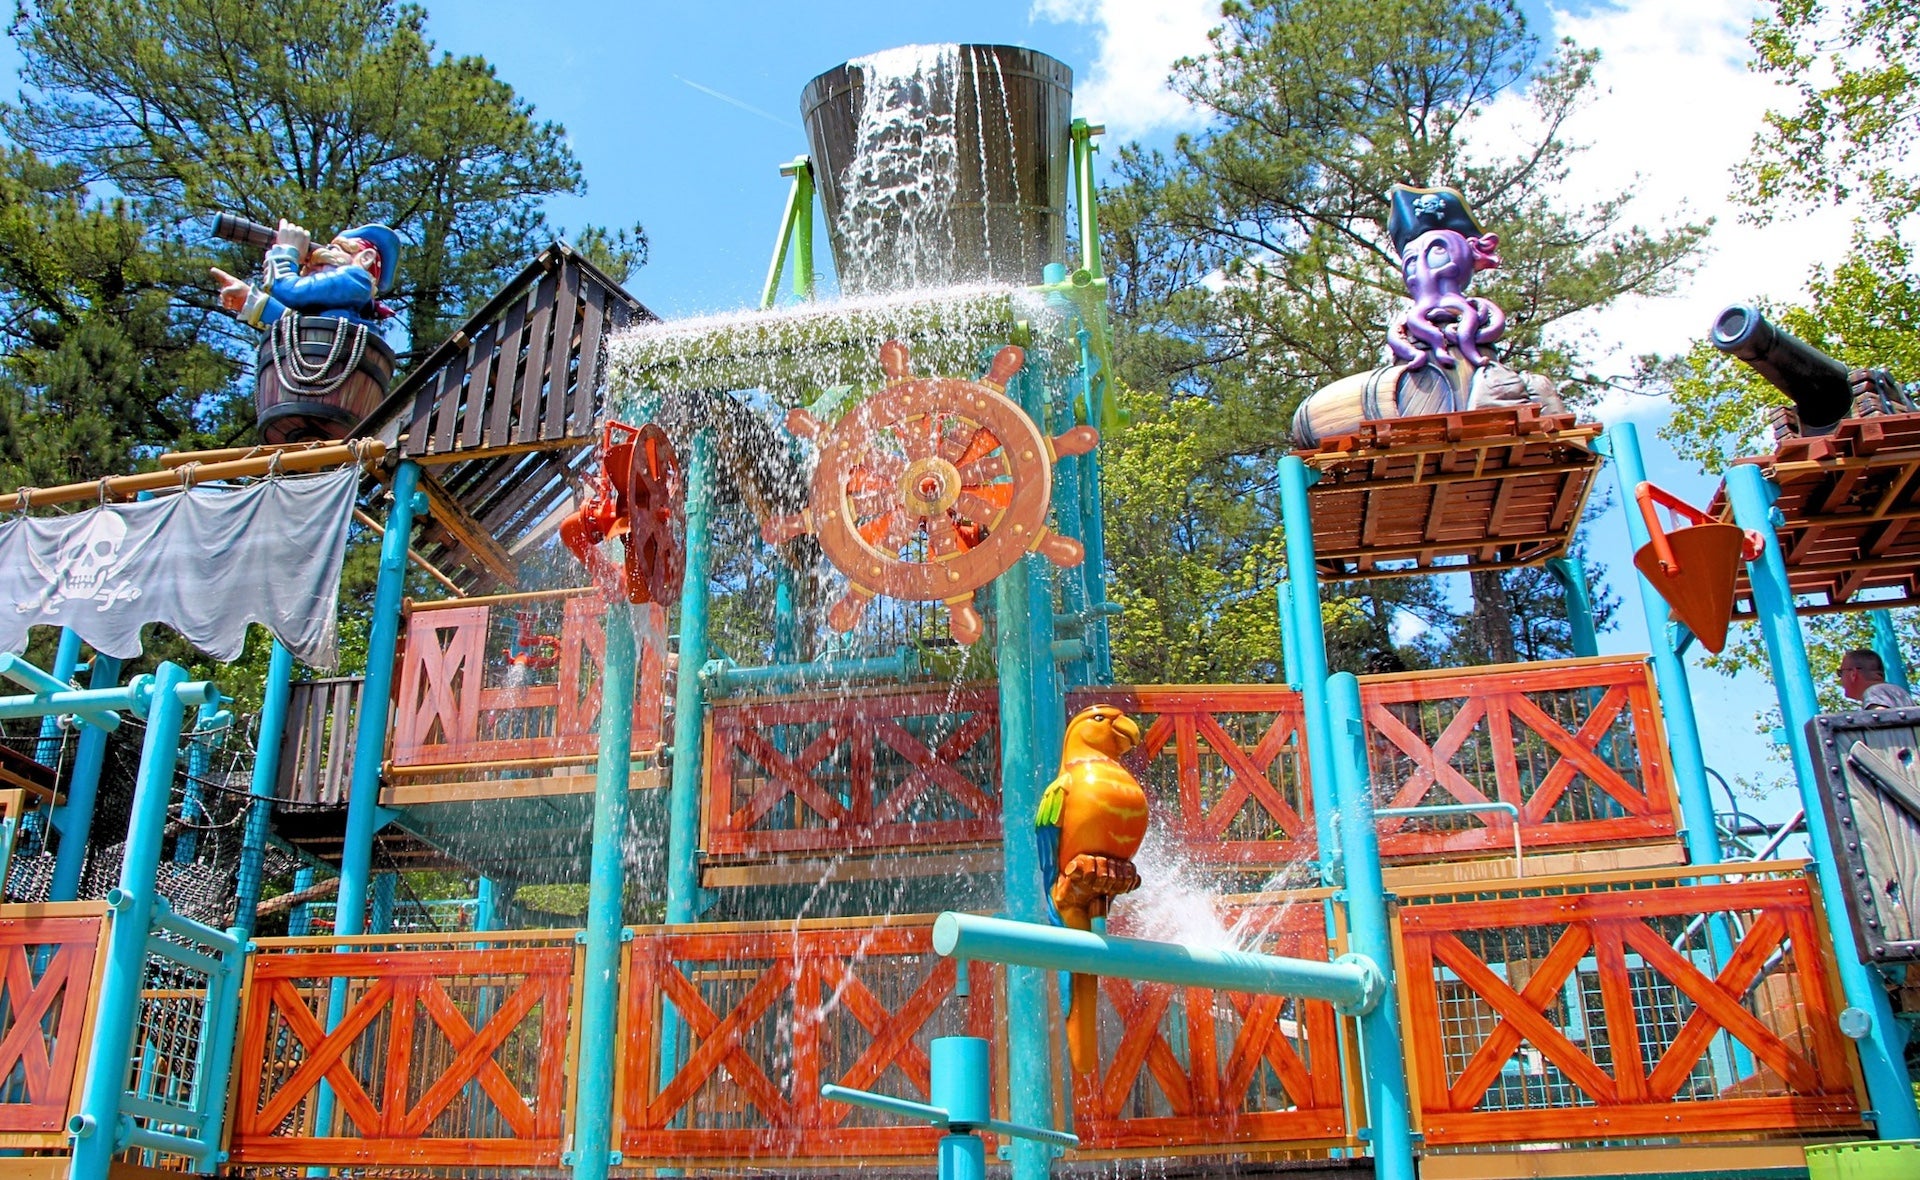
(1046, 831)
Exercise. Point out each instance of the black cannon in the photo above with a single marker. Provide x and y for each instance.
(1820, 387)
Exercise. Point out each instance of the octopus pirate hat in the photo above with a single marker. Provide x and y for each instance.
(1417, 210)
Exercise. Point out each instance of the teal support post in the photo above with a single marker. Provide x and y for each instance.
(1309, 637)
(600, 991)
(300, 918)
(262, 787)
(786, 619)
(486, 911)
(380, 907)
(1882, 1046)
(209, 731)
(689, 702)
(74, 819)
(99, 1130)
(1885, 646)
(1369, 934)
(65, 660)
(1622, 445)
(376, 703)
(1571, 573)
(1030, 695)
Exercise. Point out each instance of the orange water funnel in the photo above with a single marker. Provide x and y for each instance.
(1694, 566)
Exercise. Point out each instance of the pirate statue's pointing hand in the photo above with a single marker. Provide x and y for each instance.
(338, 280)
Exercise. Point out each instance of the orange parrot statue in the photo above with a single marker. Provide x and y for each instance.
(1091, 821)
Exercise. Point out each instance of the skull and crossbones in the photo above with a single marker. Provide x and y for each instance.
(85, 563)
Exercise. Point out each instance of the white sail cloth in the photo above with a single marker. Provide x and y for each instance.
(206, 562)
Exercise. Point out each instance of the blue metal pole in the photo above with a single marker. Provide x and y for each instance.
(74, 819)
(376, 703)
(1881, 1048)
(65, 660)
(1369, 933)
(1884, 645)
(1308, 633)
(486, 914)
(263, 787)
(300, 918)
(1030, 1071)
(1571, 573)
(193, 809)
(600, 991)
(99, 1129)
(689, 702)
(1622, 444)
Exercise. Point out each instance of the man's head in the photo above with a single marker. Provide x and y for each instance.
(1860, 669)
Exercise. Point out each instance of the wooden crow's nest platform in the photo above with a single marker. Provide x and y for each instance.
(1850, 509)
(1473, 490)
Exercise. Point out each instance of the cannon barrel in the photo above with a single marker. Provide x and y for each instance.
(1815, 382)
(234, 228)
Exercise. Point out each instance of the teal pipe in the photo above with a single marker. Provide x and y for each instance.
(263, 787)
(1310, 641)
(1892, 661)
(74, 818)
(98, 702)
(689, 703)
(1032, 725)
(1571, 573)
(46, 687)
(723, 678)
(1352, 985)
(65, 660)
(98, 1129)
(1622, 444)
(1370, 934)
(600, 992)
(1881, 1048)
(376, 705)
(300, 918)
(208, 726)
(486, 913)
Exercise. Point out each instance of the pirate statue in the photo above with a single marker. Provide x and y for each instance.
(1443, 345)
(323, 366)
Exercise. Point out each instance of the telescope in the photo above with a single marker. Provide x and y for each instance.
(1817, 384)
(234, 228)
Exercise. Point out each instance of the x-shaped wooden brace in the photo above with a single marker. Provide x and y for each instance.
(893, 1032)
(455, 645)
(935, 766)
(789, 775)
(720, 1043)
(1577, 755)
(25, 1042)
(1248, 774)
(1433, 764)
(473, 1054)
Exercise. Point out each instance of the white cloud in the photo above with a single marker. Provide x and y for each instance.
(1679, 109)
(1139, 42)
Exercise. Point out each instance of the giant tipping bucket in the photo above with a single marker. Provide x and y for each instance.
(940, 165)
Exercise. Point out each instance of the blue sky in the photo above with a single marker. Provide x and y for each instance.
(681, 114)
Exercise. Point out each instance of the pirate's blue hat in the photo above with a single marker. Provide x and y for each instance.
(386, 243)
(1417, 210)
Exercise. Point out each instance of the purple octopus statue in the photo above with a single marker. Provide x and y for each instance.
(1444, 359)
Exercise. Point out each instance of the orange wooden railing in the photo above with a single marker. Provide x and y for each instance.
(731, 1031)
(453, 1055)
(1576, 745)
(875, 769)
(1189, 1067)
(47, 956)
(462, 700)
(1618, 1013)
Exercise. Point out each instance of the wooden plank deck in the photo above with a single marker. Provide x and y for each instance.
(1474, 490)
(1851, 505)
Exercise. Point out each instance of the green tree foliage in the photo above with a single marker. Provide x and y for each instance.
(327, 112)
(1250, 267)
(1847, 138)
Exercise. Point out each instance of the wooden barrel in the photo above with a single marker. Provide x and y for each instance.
(326, 397)
(1341, 407)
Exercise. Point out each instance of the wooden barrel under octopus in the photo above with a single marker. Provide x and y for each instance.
(317, 378)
